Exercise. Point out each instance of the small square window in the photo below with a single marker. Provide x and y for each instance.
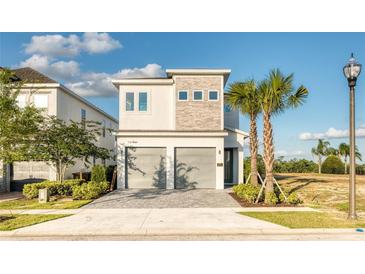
(198, 95)
(129, 102)
(142, 101)
(183, 95)
(213, 95)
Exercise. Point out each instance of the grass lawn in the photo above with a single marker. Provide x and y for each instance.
(294, 219)
(34, 204)
(11, 222)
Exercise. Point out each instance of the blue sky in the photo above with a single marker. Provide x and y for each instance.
(86, 62)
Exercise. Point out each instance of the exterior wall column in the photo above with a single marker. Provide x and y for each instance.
(121, 176)
(170, 167)
(240, 167)
(220, 164)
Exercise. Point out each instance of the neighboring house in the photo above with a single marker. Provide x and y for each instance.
(55, 99)
(175, 132)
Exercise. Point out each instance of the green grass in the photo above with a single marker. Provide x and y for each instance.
(294, 219)
(11, 222)
(34, 204)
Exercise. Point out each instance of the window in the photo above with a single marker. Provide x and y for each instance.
(83, 117)
(183, 95)
(142, 101)
(198, 95)
(21, 100)
(213, 95)
(40, 100)
(103, 124)
(129, 101)
(227, 108)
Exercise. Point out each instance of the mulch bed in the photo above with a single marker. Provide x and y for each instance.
(260, 204)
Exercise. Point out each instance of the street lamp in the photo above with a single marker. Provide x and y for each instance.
(352, 70)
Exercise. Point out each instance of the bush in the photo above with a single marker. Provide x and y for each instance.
(247, 192)
(294, 166)
(260, 166)
(292, 198)
(271, 198)
(64, 188)
(333, 165)
(91, 190)
(98, 174)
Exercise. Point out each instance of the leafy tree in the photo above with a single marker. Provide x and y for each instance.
(260, 166)
(344, 152)
(294, 166)
(98, 174)
(244, 97)
(18, 126)
(276, 94)
(320, 151)
(62, 143)
(332, 151)
(333, 165)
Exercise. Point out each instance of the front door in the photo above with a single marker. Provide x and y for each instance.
(228, 166)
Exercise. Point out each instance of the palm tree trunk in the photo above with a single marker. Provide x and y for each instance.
(345, 165)
(268, 155)
(319, 164)
(253, 150)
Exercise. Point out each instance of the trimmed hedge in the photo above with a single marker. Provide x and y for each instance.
(30, 191)
(247, 192)
(91, 190)
(98, 174)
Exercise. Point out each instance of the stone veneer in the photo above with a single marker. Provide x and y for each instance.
(198, 115)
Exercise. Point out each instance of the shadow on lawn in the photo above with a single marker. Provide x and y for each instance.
(304, 183)
(5, 218)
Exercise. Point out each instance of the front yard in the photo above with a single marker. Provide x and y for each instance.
(11, 222)
(34, 204)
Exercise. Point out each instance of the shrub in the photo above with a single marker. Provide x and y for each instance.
(292, 198)
(333, 165)
(247, 192)
(271, 198)
(90, 190)
(260, 166)
(98, 174)
(64, 188)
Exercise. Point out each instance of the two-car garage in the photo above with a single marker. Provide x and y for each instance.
(194, 167)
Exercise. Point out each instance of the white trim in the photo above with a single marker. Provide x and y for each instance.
(131, 133)
(213, 100)
(241, 132)
(203, 72)
(198, 90)
(222, 103)
(141, 81)
(187, 95)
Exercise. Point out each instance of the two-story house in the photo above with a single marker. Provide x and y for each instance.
(175, 133)
(55, 99)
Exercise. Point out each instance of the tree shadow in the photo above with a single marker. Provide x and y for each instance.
(159, 177)
(182, 176)
(304, 183)
(6, 218)
(130, 161)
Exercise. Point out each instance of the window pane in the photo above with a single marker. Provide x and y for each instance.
(40, 100)
(227, 108)
(198, 95)
(129, 101)
(83, 116)
(142, 101)
(183, 95)
(21, 100)
(213, 95)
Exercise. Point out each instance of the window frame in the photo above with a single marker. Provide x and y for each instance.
(195, 91)
(147, 105)
(187, 95)
(214, 100)
(133, 103)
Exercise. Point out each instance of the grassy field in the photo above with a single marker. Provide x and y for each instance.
(11, 222)
(305, 219)
(327, 191)
(34, 204)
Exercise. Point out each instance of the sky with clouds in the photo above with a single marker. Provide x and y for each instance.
(85, 62)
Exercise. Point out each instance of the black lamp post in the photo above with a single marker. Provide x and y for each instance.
(352, 70)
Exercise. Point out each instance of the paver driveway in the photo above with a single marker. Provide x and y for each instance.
(155, 198)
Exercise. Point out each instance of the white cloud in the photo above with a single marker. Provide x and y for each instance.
(60, 70)
(331, 133)
(57, 45)
(289, 153)
(150, 70)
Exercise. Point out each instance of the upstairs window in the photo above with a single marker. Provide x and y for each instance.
(142, 101)
(21, 101)
(213, 95)
(198, 95)
(129, 102)
(40, 100)
(103, 124)
(83, 117)
(183, 95)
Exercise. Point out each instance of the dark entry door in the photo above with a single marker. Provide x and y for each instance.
(228, 166)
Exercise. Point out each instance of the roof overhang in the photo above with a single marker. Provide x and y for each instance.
(238, 131)
(143, 81)
(224, 72)
(171, 133)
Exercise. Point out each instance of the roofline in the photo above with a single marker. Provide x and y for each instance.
(222, 71)
(140, 81)
(170, 133)
(241, 132)
(70, 92)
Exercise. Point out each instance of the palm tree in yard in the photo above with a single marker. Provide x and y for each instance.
(320, 151)
(244, 97)
(276, 94)
(344, 151)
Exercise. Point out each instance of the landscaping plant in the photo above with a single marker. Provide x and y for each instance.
(30, 191)
(91, 190)
(247, 192)
(98, 174)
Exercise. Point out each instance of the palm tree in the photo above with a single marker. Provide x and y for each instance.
(344, 151)
(332, 151)
(320, 151)
(276, 94)
(244, 97)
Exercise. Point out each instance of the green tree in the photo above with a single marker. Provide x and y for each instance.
(332, 165)
(276, 95)
(320, 151)
(344, 152)
(243, 96)
(332, 151)
(98, 174)
(18, 126)
(61, 143)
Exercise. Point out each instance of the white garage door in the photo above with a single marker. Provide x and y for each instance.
(145, 167)
(195, 168)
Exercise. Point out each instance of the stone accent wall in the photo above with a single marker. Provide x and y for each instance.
(198, 115)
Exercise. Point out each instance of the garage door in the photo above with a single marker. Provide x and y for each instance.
(195, 168)
(145, 167)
